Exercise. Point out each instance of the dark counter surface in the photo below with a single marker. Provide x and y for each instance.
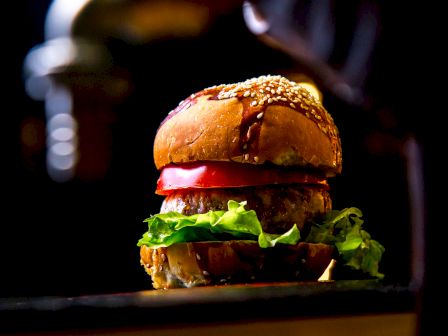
(204, 304)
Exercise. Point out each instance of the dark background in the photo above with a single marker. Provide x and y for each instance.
(79, 237)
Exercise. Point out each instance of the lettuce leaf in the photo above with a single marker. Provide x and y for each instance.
(355, 246)
(235, 223)
(342, 229)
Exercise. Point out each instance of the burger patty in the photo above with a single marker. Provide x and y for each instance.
(278, 207)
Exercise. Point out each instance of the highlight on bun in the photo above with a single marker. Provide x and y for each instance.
(268, 119)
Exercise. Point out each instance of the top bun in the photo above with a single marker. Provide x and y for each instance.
(268, 119)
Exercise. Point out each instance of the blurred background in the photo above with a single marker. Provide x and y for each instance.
(89, 81)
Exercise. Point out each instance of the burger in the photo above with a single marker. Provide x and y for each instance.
(243, 172)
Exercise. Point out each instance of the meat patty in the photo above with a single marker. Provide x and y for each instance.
(278, 207)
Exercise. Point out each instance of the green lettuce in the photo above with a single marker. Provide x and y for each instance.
(235, 223)
(342, 228)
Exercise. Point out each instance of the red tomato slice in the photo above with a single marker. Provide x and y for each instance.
(227, 175)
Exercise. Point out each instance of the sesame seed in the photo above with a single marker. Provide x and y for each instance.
(205, 273)
(198, 257)
(260, 115)
(270, 100)
(246, 157)
(292, 105)
(254, 103)
(256, 158)
(252, 94)
(246, 94)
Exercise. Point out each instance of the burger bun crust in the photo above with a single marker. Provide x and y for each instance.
(237, 261)
(209, 126)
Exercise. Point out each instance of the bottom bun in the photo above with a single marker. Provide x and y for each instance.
(234, 261)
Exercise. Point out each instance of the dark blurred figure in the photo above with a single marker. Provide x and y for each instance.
(373, 61)
(104, 76)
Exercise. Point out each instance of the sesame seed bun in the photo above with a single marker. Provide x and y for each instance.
(235, 261)
(268, 119)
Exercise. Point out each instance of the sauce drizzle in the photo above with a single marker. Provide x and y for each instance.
(256, 95)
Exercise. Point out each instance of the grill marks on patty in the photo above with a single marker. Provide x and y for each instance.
(278, 207)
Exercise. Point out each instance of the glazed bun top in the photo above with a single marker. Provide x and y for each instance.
(268, 119)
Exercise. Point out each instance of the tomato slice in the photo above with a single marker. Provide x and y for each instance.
(228, 175)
